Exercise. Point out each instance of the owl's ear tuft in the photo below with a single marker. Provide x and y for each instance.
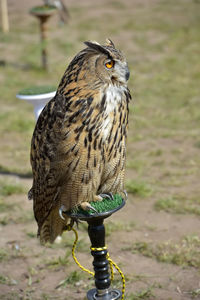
(97, 47)
(109, 43)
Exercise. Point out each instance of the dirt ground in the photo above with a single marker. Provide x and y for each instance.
(155, 242)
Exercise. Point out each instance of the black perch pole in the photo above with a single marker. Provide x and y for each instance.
(96, 232)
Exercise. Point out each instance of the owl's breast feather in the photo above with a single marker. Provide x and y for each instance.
(114, 96)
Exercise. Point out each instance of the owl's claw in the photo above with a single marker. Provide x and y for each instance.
(87, 206)
(62, 208)
(92, 208)
(107, 195)
(125, 194)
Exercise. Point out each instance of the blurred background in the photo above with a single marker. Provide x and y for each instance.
(155, 237)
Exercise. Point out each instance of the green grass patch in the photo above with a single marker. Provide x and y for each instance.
(142, 294)
(185, 253)
(12, 122)
(72, 279)
(55, 263)
(25, 217)
(7, 189)
(6, 280)
(5, 220)
(139, 188)
(178, 205)
(31, 234)
(113, 226)
(195, 294)
(137, 165)
(5, 207)
(3, 279)
(3, 255)
(14, 171)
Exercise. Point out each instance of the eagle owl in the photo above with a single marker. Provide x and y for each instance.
(78, 146)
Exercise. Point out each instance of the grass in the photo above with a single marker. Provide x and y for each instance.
(5, 206)
(142, 294)
(5, 220)
(195, 293)
(136, 164)
(58, 261)
(13, 122)
(179, 205)
(31, 234)
(10, 254)
(72, 279)
(3, 254)
(113, 226)
(7, 189)
(3, 279)
(139, 188)
(6, 280)
(185, 253)
(26, 216)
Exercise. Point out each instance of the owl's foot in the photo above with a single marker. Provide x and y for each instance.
(106, 195)
(70, 225)
(87, 206)
(76, 221)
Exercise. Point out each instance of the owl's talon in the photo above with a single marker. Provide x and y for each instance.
(87, 206)
(125, 194)
(107, 195)
(62, 208)
(92, 208)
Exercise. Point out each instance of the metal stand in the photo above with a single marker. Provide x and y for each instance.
(96, 232)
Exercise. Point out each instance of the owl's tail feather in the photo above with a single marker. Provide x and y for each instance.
(52, 227)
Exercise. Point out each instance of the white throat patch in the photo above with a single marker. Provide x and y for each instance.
(113, 98)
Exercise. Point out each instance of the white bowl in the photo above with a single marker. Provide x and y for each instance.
(39, 101)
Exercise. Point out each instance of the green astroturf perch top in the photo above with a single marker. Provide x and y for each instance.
(42, 8)
(101, 206)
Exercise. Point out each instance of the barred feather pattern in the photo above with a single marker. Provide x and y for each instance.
(78, 146)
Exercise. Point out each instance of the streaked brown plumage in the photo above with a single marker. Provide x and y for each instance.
(78, 147)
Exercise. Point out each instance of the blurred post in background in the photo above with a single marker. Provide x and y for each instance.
(4, 16)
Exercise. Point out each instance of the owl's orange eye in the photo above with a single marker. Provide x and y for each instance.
(109, 64)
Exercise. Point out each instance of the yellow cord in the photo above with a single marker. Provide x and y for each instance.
(111, 262)
(69, 227)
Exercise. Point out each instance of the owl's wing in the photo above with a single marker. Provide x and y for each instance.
(45, 160)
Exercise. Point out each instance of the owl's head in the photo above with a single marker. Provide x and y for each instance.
(106, 62)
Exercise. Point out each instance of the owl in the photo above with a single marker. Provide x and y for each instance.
(78, 147)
